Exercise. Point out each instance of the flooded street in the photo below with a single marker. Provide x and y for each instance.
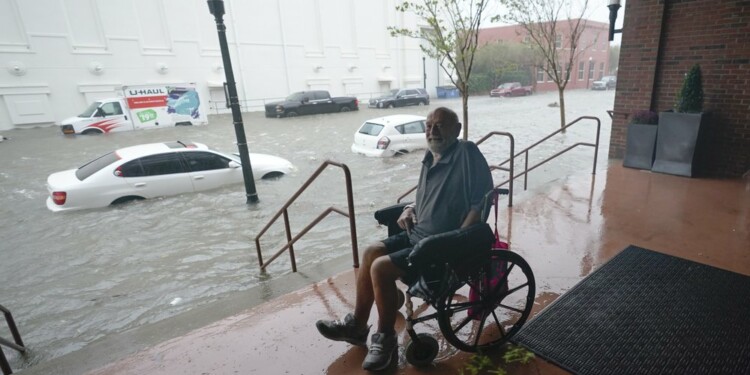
(70, 278)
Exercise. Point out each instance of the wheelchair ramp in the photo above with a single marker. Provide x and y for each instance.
(646, 312)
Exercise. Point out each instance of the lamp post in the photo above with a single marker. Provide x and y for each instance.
(614, 7)
(424, 74)
(216, 7)
(588, 72)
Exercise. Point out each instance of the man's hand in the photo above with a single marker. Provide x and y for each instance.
(407, 219)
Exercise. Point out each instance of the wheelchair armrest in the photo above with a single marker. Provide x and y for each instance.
(389, 215)
(453, 246)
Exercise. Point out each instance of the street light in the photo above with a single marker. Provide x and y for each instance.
(216, 7)
(424, 74)
(614, 7)
(589, 72)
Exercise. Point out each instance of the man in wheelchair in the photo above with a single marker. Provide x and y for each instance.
(453, 182)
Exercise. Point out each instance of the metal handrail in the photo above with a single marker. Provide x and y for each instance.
(492, 167)
(283, 211)
(18, 345)
(512, 164)
(526, 150)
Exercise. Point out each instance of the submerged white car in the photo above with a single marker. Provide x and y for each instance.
(153, 170)
(390, 135)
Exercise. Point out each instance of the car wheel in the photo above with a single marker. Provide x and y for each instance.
(272, 175)
(345, 109)
(91, 131)
(421, 103)
(126, 199)
(291, 114)
(390, 105)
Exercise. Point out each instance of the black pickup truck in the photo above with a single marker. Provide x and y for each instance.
(311, 102)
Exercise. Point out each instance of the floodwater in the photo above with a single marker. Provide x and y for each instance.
(73, 277)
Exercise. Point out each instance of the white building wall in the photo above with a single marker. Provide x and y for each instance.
(56, 56)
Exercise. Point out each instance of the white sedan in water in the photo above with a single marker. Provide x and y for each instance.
(390, 135)
(153, 170)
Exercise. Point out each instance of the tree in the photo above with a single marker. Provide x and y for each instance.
(451, 38)
(555, 41)
(690, 97)
(500, 62)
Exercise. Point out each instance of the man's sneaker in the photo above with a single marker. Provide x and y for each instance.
(343, 331)
(381, 353)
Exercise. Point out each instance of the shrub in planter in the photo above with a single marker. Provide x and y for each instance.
(680, 136)
(641, 140)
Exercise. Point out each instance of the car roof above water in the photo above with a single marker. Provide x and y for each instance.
(395, 119)
(156, 148)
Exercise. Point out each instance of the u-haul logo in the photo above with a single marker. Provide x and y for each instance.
(146, 92)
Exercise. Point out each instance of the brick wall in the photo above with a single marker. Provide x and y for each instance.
(661, 40)
(593, 47)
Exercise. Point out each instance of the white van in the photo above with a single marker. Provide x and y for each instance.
(140, 107)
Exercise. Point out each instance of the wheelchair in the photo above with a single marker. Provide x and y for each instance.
(481, 296)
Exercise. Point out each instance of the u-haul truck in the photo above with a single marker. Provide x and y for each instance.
(140, 107)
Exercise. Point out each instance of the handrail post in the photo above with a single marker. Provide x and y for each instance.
(289, 240)
(526, 170)
(18, 345)
(512, 166)
(352, 224)
(4, 364)
(596, 148)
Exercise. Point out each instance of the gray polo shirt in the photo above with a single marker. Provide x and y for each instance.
(449, 190)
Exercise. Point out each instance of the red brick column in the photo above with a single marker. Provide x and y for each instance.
(637, 67)
(655, 55)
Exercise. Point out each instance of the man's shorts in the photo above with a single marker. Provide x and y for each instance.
(399, 247)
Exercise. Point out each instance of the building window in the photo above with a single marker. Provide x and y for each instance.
(591, 69)
(558, 41)
(580, 71)
(539, 74)
(601, 70)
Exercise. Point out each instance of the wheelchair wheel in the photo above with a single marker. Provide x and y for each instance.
(422, 353)
(493, 313)
(401, 298)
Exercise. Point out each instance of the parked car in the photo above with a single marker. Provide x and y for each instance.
(311, 102)
(153, 170)
(400, 98)
(606, 83)
(390, 135)
(511, 89)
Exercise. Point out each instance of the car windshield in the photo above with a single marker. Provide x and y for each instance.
(390, 93)
(505, 86)
(96, 165)
(370, 129)
(90, 110)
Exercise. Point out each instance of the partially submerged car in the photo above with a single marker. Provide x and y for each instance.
(153, 170)
(390, 135)
(606, 83)
(400, 98)
(511, 89)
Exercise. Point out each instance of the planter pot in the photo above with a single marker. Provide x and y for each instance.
(677, 143)
(639, 149)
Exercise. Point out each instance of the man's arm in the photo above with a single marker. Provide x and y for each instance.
(471, 218)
